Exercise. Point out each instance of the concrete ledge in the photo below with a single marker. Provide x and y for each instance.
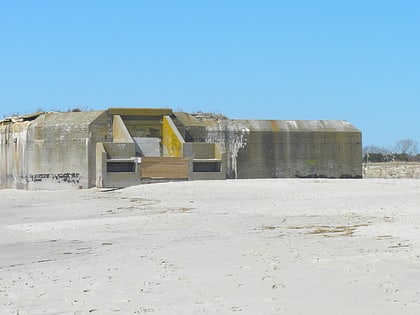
(120, 150)
(140, 111)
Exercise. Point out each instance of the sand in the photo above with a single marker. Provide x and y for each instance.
(270, 246)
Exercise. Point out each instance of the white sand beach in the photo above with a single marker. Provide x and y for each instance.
(269, 246)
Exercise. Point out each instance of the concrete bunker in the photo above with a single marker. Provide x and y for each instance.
(121, 147)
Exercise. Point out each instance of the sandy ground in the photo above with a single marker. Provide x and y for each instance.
(270, 246)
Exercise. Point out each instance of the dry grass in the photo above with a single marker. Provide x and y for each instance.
(330, 231)
(324, 230)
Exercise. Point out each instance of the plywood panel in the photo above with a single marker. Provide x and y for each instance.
(165, 167)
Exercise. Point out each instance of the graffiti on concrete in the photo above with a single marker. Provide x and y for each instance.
(70, 178)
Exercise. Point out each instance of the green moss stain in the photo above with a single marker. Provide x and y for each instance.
(311, 162)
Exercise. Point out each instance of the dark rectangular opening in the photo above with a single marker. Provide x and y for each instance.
(129, 167)
(206, 167)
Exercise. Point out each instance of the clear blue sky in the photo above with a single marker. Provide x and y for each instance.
(352, 60)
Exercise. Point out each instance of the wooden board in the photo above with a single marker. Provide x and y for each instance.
(164, 167)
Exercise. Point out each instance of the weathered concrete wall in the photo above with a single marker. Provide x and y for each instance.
(299, 154)
(55, 150)
(256, 149)
(391, 170)
(114, 179)
(264, 149)
(190, 128)
(65, 143)
(233, 137)
(200, 150)
(14, 155)
(99, 131)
